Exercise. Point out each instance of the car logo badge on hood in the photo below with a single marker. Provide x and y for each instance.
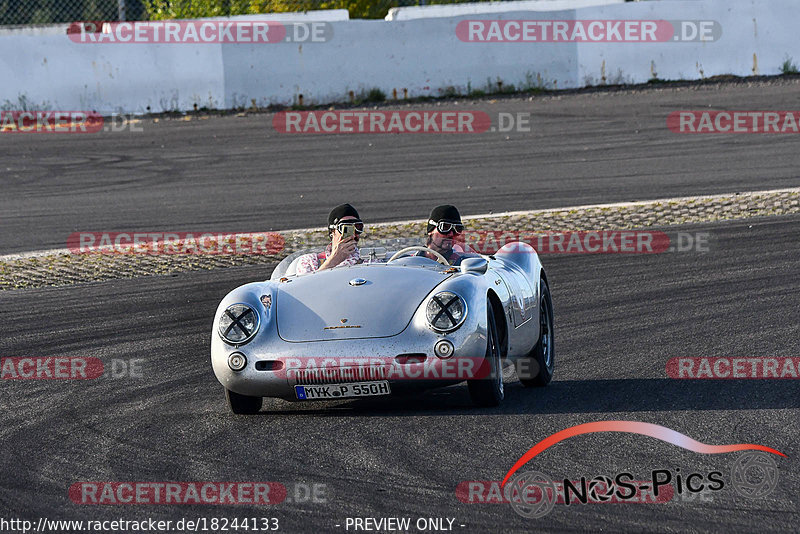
(343, 320)
(357, 282)
(342, 326)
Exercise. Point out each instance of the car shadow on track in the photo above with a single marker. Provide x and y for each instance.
(572, 396)
(657, 395)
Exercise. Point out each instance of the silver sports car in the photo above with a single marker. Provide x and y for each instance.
(396, 322)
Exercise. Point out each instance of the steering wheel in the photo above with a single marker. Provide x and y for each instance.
(441, 259)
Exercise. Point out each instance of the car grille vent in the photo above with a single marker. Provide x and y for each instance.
(336, 375)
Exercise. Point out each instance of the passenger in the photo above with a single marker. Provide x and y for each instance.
(444, 227)
(340, 251)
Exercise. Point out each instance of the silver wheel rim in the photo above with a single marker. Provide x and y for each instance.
(498, 367)
(546, 332)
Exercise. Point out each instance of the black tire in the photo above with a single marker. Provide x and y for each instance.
(489, 391)
(536, 369)
(242, 404)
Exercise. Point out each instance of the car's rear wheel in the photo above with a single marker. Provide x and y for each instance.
(242, 404)
(488, 390)
(536, 369)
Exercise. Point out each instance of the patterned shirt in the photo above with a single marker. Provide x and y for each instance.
(309, 263)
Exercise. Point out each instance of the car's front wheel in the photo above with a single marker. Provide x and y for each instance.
(536, 369)
(242, 404)
(489, 391)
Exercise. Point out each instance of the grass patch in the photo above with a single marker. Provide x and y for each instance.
(789, 67)
(375, 95)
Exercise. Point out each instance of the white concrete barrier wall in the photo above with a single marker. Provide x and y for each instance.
(48, 71)
(423, 56)
(750, 28)
(51, 72)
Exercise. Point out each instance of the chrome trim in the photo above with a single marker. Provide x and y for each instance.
(337, 375)
(234, 355)
(479, 265)
(450, 349)
(452, 328)
(252, 334)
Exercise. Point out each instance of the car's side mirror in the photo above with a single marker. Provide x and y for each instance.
(474, 265)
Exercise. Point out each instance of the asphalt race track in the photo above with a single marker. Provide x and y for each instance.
(237, 174)
(619, 319)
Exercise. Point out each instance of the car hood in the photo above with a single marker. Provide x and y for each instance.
(324, 306)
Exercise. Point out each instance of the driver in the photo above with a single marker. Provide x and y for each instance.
(339, 251)
(444, 227)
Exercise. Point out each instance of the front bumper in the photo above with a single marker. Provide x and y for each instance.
(275, 366)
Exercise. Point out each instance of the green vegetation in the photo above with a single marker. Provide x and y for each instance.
(358, 9)
(789, 67)
(374, 95)
(24, 104)
(24, 12)
(13, 12)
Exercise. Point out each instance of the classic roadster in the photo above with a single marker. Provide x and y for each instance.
(396, 322)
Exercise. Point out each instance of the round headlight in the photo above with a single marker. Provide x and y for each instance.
(238, 324)
(446, 311)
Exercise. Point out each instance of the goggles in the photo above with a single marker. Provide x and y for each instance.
(445, 227)
(357, 225)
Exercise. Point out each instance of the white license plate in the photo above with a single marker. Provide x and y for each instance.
(340, 391)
